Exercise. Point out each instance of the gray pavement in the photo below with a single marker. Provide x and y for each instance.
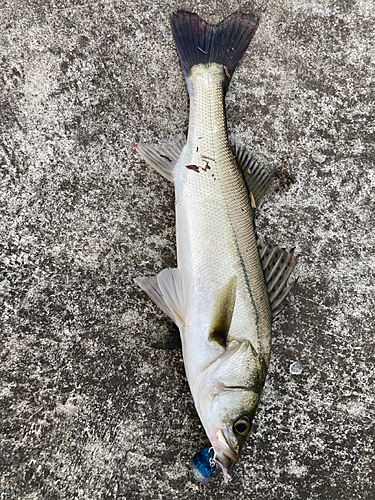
(88, 411)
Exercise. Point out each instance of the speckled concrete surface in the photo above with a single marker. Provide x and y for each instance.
(88, 411)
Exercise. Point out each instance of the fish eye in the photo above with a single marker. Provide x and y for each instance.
(242, 426)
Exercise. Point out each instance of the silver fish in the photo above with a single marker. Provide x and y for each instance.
(228, 285)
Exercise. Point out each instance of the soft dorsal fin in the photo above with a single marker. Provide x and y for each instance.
(277, 264)
(256, 169)
(162, 157)
(223, 312)
(175, 289)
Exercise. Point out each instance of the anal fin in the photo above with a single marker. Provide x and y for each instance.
(162, 157)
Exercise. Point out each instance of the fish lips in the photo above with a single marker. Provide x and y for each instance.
(225, 456)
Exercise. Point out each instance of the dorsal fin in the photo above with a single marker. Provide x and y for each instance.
(223, 312)
(162, 157)
(277, 264)
(256, 169)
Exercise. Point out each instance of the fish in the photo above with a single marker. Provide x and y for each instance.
(229, 285)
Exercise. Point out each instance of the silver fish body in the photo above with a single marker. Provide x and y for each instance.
(218, 295)
(216, 242)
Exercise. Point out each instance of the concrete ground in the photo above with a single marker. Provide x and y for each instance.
(88, 411)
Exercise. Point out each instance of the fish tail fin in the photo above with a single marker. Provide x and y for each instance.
(198, 42)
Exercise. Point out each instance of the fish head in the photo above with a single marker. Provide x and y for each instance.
(229, 423)
(227, 399)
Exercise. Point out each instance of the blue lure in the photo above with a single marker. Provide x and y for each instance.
(203, 465)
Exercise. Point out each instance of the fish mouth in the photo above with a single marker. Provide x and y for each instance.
(225, 456)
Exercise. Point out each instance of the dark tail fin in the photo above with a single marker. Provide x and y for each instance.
(198, 42)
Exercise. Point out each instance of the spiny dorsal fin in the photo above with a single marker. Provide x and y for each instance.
(162, 157)
(223, 312)
(256, 169)
(277, 264)
(175, 289)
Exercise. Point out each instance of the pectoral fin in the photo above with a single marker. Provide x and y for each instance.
(223, 312)
(162, 157)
